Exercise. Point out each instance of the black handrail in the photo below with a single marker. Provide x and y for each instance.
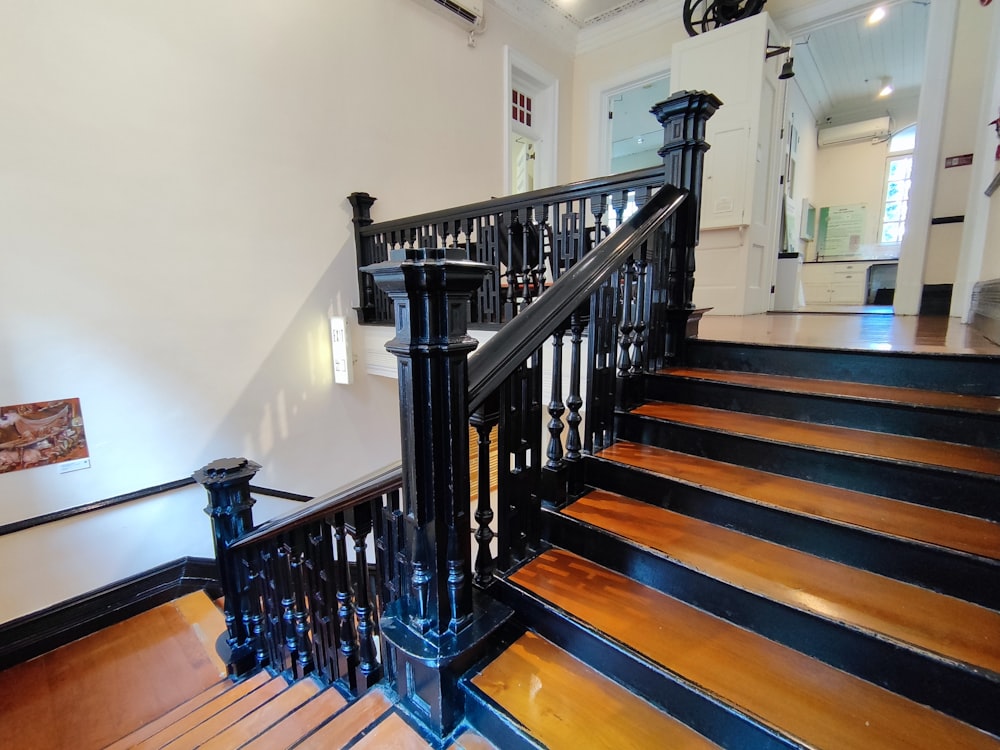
(571, 191)
(374, 485)
(495, 360)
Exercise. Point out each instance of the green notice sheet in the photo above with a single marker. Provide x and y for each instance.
(840, 229)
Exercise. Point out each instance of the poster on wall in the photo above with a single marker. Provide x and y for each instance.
(42, 433)
(840, 230)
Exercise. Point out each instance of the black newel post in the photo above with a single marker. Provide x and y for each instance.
(439, 624)
(227, 482)
(361, 204)
(683, 117)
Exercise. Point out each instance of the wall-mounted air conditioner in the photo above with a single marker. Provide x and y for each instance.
(857, 132)
(468, 13)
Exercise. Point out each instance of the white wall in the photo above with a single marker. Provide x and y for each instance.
(965, 86)
(615, 63)
(806, 156)
(174, 233)
(852, 174)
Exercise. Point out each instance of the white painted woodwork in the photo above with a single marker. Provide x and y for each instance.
(738, 251)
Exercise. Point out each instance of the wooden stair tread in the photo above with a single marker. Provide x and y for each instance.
(144, 666)
(975, 536)
(392, 733)
(813, 703)
(902, 612)
(842, 388)
(148, 730)
(300, 722)
(349, 723)
(207, 621)
(563, 703)
(828, 437)
(250, 726)
(261, 683)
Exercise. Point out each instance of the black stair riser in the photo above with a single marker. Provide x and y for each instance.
(967, 428)
(953, 573)
(961, 492)
(686, 703)
(970, 374)
(969, 695)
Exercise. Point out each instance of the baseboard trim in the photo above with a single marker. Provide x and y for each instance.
(40, 632)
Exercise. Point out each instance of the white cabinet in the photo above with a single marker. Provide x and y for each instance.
(836, 283)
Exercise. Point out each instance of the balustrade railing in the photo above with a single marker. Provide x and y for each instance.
(411, 604)
(303, 594)
(527, 240)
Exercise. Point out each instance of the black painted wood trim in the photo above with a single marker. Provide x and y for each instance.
(78, 510)
(269, 492)
(948, 220)
(40, 632)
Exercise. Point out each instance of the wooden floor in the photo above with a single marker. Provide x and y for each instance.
(859, 331)
(73, 697)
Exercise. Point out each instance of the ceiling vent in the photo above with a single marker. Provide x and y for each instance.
(468, 13)
(872, 131)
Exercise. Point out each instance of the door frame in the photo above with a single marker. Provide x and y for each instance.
(544, 86)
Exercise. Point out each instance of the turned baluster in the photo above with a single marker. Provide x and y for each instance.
(368, 660)
(556, 405)
(639, 326)
(347, 634)
(574, 401)
(484, 421)
(625, 318)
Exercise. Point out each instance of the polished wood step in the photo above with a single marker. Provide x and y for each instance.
(204, 723)
(802, 698)
(900, 612)
(904, 520)
(470, 740)
(256, 722)
(351, 722)
(563, 703)
(844, 440)
(843, 389)
(299, 723)
(143, 667)
(392, 733)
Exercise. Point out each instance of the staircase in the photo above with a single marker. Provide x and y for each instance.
(785, 548)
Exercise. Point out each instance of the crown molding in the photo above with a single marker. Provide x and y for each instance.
(543, 18)
(627, 23)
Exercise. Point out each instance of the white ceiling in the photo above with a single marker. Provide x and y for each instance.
(839, 60)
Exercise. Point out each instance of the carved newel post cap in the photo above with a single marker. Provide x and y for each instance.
(226, 470)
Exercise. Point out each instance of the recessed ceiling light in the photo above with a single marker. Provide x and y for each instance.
(876, 15)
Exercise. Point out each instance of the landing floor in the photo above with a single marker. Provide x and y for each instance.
(875, 332)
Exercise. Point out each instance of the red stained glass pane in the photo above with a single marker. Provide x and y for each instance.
(529, 120)
(527, 106)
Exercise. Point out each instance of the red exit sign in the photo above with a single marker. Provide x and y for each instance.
(958, 161)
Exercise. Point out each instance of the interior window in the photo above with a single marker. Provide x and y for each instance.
(898, 170)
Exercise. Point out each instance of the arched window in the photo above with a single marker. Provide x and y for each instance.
(898, 170)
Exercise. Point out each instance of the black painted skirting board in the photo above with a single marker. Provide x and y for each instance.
(40, 632)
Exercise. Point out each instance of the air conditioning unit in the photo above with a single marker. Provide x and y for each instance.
(468, 13)
(856, 132)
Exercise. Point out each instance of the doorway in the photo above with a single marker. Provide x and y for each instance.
(531, 101)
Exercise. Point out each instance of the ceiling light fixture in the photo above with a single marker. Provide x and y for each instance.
(885, 86)
(876, 15)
